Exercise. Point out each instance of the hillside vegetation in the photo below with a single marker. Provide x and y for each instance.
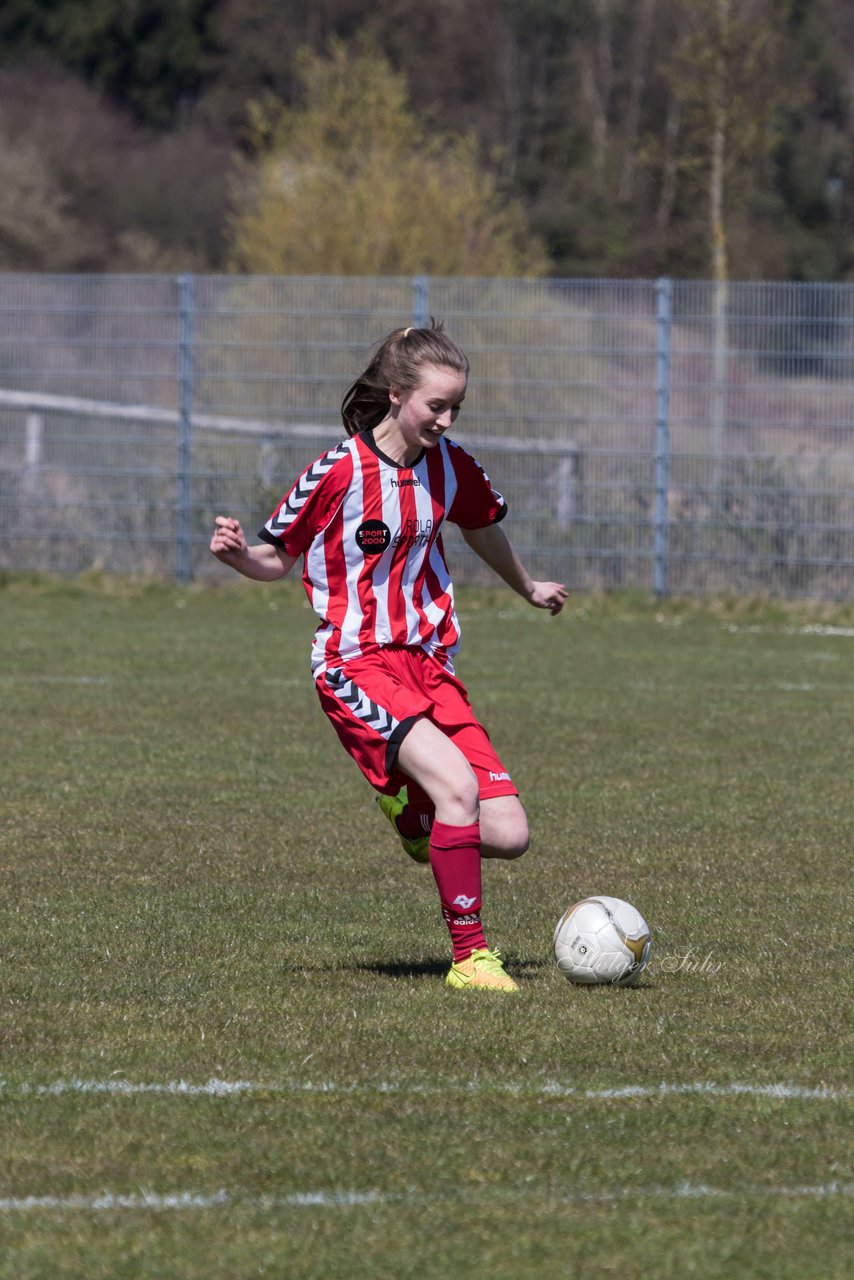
(497, 137)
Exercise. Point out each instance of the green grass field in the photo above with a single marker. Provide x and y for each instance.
(226, 1046)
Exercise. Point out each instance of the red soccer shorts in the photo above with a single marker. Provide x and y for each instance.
(374, 701)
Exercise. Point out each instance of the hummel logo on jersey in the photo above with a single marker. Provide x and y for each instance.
(499, 777)
(401, 484)
(462, 901)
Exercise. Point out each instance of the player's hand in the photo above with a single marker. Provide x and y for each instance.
(548, 595)
(228, 539)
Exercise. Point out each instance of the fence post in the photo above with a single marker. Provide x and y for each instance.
(183, 565)
(420, 302)
(661, 522)
(568, 480)
(33, 443)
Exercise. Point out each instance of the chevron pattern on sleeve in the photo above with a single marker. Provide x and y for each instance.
(304, 488)
(348, 692)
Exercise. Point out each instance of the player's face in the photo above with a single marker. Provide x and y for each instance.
(424, 414)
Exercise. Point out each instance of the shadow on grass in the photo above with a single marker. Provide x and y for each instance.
(403, 968)
(522, 970)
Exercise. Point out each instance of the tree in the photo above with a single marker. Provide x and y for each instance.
(149, 55)
(37, 231)
(353, 183)
(727, 71)
(254, 48)
(136, 199)
(625, 129)
(814, 156)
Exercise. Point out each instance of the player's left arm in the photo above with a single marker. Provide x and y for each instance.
(494, 548)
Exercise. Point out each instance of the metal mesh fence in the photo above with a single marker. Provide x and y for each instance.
(651, 434)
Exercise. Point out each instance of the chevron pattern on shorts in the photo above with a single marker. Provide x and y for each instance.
(304, 488)
(361, 705)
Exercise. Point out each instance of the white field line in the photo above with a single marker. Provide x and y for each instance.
(215, 1088)
(810, 629)
(778, 686)
(265, 682)
(54, 679)
(108, 1201)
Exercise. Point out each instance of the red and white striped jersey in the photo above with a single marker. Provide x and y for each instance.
(371, 534)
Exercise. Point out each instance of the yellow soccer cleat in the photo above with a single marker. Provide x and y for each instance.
(392, 806)
(482, 970)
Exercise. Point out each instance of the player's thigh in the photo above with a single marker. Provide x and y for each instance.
(440, 768)
(453, 714)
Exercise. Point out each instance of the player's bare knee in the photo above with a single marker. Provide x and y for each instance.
(510, 840)
(458, 799)
(518, 840)
(467, 793)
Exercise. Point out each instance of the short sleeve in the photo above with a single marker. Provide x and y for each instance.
(310, 504)
(476, 503)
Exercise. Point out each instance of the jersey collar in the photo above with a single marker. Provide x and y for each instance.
(370, 442)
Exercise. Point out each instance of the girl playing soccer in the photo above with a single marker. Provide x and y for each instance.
(367, 517)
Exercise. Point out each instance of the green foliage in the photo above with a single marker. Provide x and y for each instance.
(37, 229)
(353, 184)
(82, 188)
(587, 124)
(149, 55)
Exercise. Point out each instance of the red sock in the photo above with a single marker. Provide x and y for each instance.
(455, 859)
(414, 822)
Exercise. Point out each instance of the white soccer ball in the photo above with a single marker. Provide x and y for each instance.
(601, 941)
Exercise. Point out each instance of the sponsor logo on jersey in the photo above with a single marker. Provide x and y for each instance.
(402, 484)
(372, 537)
(414, 533)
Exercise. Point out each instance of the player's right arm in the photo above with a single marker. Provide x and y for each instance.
(262, 563)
